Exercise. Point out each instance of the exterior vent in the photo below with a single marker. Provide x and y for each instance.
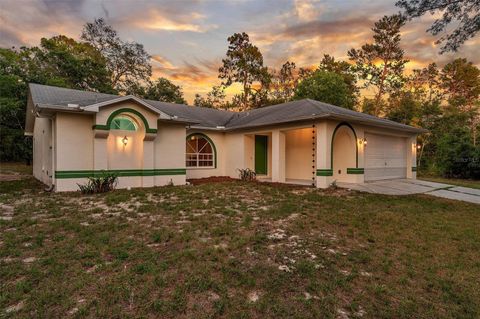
(220, 127)
(72, 105)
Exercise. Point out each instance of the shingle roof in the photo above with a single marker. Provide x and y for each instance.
(54, 97)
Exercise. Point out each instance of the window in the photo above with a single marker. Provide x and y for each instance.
(123, 123)
(199, 152)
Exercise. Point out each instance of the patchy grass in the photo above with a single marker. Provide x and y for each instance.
(236, 250)
(453, 181)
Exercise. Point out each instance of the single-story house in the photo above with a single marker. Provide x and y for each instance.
(77, 134)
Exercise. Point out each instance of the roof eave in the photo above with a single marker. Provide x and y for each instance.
(397, 126)
(96, 107)
(300, 119)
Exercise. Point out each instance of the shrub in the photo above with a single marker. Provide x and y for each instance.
(246, 174)
(100, 184)
(455, 154)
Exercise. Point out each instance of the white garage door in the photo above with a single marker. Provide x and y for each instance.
(385, 157)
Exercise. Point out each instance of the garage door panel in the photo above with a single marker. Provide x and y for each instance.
(385, 157)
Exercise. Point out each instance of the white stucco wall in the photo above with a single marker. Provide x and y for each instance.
(170, 152)
(84, 149)
(78, 147)
(325, 131)
(74, 151)
(298, 154)
(344, 155)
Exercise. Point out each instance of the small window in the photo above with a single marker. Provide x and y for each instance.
(123, 123)
(199, 152)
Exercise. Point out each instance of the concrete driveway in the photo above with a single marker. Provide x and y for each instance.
(416, 186)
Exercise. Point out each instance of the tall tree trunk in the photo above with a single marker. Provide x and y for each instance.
(245, 94)
(380, 89)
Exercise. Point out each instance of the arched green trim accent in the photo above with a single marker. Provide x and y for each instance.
(209, 141)
(123, 123)
(356, 143)
(125, 110)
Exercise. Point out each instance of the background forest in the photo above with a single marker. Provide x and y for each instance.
(444, 100)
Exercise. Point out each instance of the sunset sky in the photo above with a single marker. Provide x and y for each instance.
(188, 39)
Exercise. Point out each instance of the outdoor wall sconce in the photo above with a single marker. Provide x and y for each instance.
(417, 146)
(125, 141)
(362, 141)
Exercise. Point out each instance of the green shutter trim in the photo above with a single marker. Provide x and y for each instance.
(209, 141)
(333, 137)
(325, 172)
(355, 171)
(124, 110)
(414, 169)
(120, 172)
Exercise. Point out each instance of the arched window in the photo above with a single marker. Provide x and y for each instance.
(199, 152)
(123, 123)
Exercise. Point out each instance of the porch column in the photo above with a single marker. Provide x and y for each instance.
(278, 156)
(323, 155)
(412, 157)
(148, 180)
(100, 150)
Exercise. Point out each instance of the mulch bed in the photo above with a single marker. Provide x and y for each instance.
(212, 179)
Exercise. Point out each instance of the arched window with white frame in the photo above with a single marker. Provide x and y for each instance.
(200, 152)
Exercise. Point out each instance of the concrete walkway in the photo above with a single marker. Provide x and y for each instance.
(416, 186)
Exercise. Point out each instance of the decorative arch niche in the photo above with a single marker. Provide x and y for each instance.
(344, 152)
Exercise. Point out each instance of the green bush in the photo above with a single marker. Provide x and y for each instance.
(100, 184)
(246, 174)
(455, 156)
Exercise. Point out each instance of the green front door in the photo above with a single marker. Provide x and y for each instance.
(261, 144)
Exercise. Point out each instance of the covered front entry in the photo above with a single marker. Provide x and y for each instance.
(385, 157)
(282, 155)
(261, 154)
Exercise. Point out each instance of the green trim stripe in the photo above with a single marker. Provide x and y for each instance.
(355, 171)
(124, 110)
(120, 172)
(325, 172)
(414, 169)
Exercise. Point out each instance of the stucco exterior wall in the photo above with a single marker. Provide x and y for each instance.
(43, 147)
(102, 116)
(74, 147)
(325, 130)
(298, 154)
(170, 152)
(153, 156)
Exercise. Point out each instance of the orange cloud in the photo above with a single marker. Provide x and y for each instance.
(158, 20)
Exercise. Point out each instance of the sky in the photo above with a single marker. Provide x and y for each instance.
(188, 39)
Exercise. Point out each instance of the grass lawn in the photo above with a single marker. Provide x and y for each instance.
(454, 181)
(236, 250)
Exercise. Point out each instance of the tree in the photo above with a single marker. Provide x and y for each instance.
(454, 151)
(160, 90)
(284, 83)
(214, 99)
(244, 65)
(461, 83)
(59, 61)
(73, 64)
(424, 87)
(381, 63)
(128, 62)
(465, 14)
(342, 68)
(325, 87)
